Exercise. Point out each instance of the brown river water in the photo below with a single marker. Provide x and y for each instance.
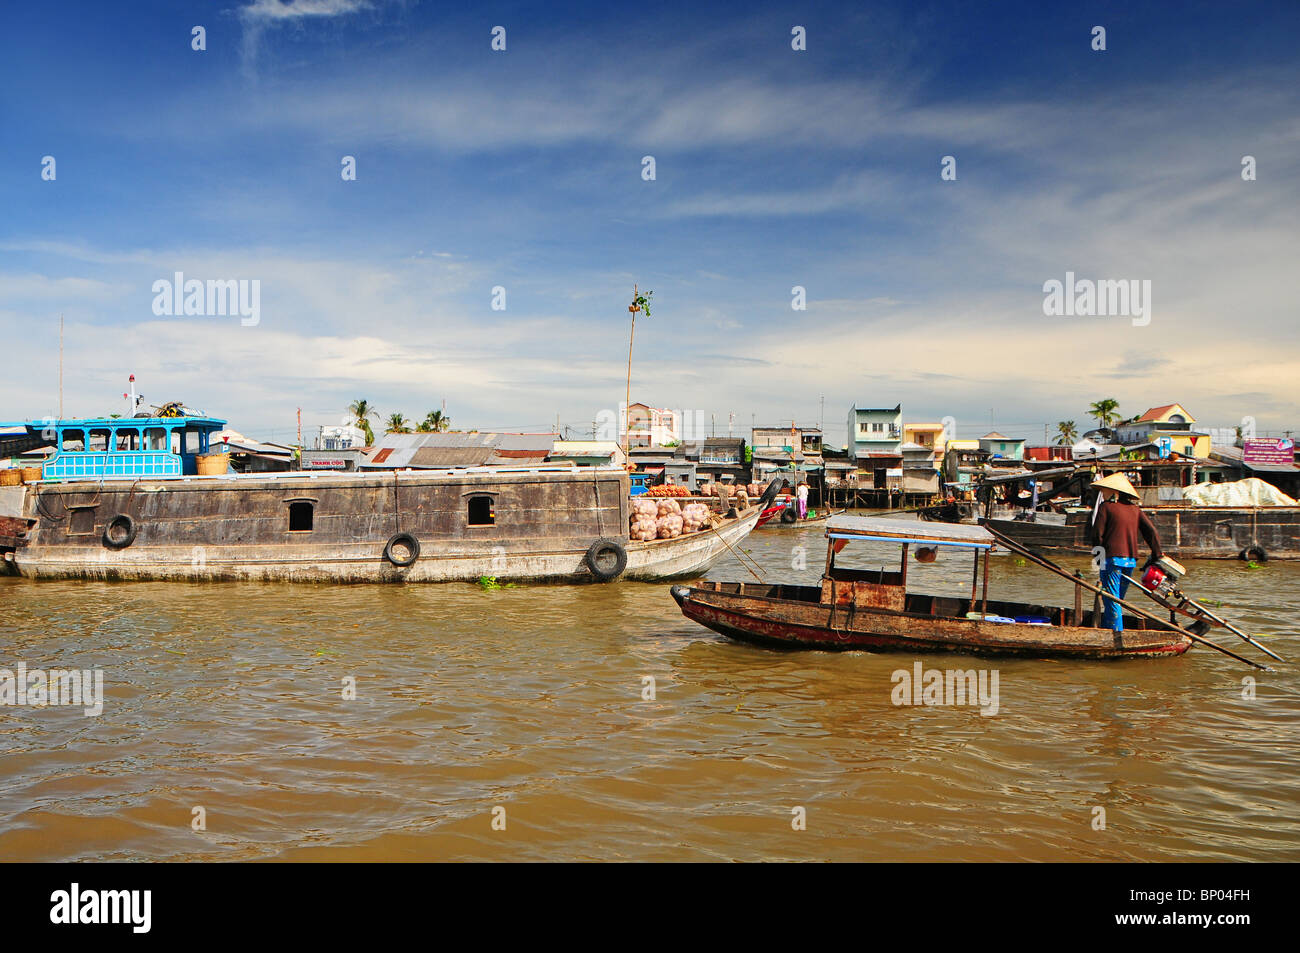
(229, 698)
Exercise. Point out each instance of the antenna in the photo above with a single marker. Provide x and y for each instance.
(60, 365)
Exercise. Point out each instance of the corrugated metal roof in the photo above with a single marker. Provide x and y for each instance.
(447, 457)
(500, 455)
(585, 447)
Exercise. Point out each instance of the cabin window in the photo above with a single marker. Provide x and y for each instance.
(128, 440)
(98, 441)
(155, 438)
(480, 511)
(300, 516)
(192, 444)
(74, 441)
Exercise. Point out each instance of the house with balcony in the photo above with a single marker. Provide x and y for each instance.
(875, 431)
(875, 445)
(1168, 429)
(929, 437)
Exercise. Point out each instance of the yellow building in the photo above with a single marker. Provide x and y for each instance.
(1169, 427)
(929, 436)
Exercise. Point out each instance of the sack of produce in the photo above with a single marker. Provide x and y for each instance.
(670, 526)
(644, 528)
(694, 517)
(669, 508)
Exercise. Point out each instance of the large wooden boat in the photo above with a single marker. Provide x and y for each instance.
(97, 514)
(872, 610)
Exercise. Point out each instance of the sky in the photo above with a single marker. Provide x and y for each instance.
(775, 168)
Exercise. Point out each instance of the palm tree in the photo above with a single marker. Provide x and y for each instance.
(1104, 412)
(397, 424)
(362, 411)
(435, 421)
(1066, 432)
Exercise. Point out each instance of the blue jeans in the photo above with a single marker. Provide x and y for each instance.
(1115, 580)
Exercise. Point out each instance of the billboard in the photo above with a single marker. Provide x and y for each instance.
(1268, 451)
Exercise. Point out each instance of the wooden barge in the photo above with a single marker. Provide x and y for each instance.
(871, 610)
(96, 515)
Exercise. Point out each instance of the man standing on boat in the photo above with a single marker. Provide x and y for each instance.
(1117, 522)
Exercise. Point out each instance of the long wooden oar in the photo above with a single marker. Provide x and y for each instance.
(740, 559)
(1015, 547)
(1207, 614)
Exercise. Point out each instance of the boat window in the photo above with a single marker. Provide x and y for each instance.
(128, 439)
(192, 444)
(176, 441)
(480, 511)
(74, 440)
(81, 521)
(300, 516)
(98, 440)
(155, 438)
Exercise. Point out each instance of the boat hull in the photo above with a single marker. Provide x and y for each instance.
(800, 624)
(237, 528)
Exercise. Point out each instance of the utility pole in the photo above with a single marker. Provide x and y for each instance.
(60, 365)
(299, 428)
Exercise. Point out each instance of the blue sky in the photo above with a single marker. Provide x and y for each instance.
(774, 168)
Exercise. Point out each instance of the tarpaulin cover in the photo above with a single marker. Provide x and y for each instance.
(1248, 492)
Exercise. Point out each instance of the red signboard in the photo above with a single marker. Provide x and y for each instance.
(1268, 450)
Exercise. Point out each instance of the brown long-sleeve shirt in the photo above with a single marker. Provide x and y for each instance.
(1117, 527)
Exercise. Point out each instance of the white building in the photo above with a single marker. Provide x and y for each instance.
(340, 438)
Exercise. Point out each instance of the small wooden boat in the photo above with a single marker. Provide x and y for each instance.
(872, 610)
(784, 516)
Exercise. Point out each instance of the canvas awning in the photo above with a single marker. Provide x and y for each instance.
(883, 529)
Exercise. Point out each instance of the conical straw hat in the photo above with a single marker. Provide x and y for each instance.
(1119, 482)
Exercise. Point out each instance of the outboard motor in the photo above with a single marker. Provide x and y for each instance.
(1162, 577)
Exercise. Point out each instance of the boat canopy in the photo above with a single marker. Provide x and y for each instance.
(888, 530)
(104, 447)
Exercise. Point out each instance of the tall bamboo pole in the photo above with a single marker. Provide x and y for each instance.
(627, 401)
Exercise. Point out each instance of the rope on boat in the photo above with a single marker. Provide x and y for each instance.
(739, 558)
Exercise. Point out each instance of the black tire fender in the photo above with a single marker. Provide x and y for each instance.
(1254, 554)
(769, 495)
(788, 515)
(119, 532)
(606, 558)
(408, 542)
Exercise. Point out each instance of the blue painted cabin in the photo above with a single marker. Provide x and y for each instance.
(116, 447)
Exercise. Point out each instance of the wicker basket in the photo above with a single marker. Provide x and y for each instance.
(11, 477)
(213, 464)
(33, 473)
